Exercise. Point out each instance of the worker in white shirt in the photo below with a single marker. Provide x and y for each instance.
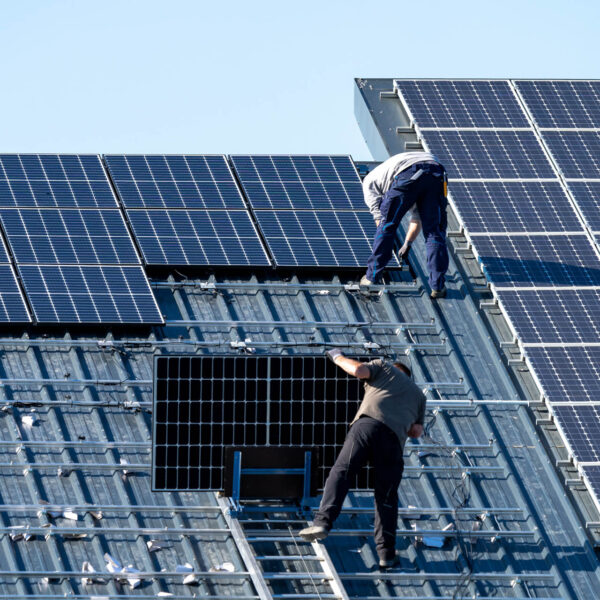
(415, 182)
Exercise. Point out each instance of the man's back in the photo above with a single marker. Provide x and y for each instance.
(392, 398)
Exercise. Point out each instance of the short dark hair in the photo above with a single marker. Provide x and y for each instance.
(403, 368)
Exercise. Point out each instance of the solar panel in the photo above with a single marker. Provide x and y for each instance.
(68, 236)
(591, 473)
(539, 260)
(54, 180)
(511, 206)
(580, 425)
(203, 404)
(197, 237)
(12, 303)
(490, 154)
(554, 316)
(569, 374)
(300, 182)
(462, 103)
(577, 153)
(174, 181)
(318, 238)
(587, 197)
(562, 104)
(89, 294)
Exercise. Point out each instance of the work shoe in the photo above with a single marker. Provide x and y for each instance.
(438, 293)
(364, 282)
(313, 533)
(389, 563)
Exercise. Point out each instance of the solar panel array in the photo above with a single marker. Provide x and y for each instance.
(186, 210)
(521, 159)
(310, 209)
(202, 404)
(73, 252)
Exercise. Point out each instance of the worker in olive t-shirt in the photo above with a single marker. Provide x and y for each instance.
(393, 408)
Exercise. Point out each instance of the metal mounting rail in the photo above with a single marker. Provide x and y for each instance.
(233, 286)
(276, 324)
(509, 577)
(145, 467)
(440, 385)
(122, 444)
(120, 508)
(232, 344)
(420, 576)
(275, 535)
(105, 596)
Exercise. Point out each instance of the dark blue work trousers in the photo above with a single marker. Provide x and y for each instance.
(421, 184)
(367, 440)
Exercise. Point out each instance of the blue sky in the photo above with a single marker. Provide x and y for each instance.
(227, 76)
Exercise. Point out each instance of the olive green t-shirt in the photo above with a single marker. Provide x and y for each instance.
(392, 398)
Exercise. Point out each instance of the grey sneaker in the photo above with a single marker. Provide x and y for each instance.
(315, 532)
(438, 293)
(389, 563)
(364, 282)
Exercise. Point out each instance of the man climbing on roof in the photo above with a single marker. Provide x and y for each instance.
(415, 182)
(393, 408)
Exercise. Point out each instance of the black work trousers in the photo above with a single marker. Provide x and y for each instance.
(367, 440)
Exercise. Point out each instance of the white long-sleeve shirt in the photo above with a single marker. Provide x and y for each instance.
(381, 178)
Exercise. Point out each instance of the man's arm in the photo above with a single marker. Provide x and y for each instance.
(351, 366)
(414, 228)
(373, 196)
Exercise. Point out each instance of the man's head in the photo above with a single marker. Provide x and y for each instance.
(403, 368)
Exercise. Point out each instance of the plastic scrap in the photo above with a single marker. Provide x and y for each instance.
(29, 420)
(226, 566)
(114, 566)
(190, 578)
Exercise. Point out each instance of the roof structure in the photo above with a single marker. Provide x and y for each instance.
(491, 505)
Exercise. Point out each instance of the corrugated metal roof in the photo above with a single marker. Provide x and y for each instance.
(97, 395)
